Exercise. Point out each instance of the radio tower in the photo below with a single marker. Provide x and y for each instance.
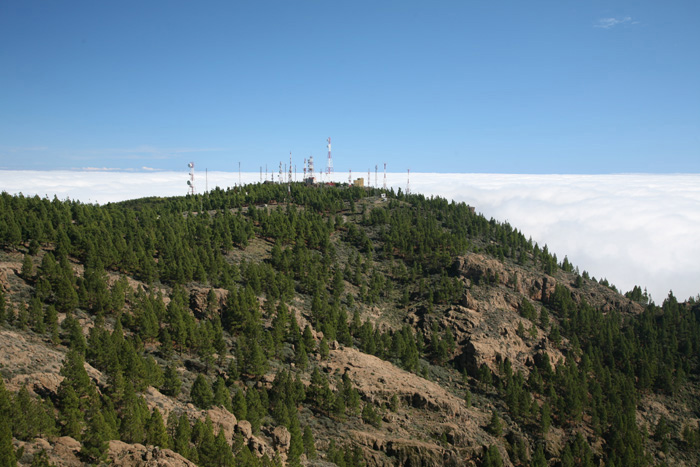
(311, 168)
(279, 178)
(190, 182)
(408, 183)
(350, 178)
(385, 175)
(330, 159)
(375, 175)
(289, 174)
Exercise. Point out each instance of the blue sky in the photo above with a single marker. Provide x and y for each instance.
(479, 86)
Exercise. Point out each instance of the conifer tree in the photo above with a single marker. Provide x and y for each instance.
(156, 433)
(201, 393)
(254, 408)
(171, 382)
(7, 450)
(240, 407)
(222, 395)
(183, 432)
(495, 426)
(296, 443)
(309, 443)
(96, 439)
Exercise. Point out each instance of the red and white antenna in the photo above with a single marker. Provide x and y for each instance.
(311, 168)
(375, 175)
(190, 182)
(305, 169)
(350, 177)
(330, 159)
(385, 175)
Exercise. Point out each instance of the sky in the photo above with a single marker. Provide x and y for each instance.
(633, 229)
(542, 87)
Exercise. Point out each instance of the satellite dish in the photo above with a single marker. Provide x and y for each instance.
(190, 165)
(188, 182)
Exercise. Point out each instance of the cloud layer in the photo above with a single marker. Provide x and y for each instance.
(631, 229)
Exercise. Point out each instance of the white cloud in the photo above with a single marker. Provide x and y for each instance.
(607, 23)
(631, 229)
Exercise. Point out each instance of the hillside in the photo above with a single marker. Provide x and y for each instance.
(328, 326)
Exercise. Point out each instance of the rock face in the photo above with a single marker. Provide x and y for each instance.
(63, 452)
(138, 455)
(426, 409)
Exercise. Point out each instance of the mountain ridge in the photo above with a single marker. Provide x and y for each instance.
(405, 331)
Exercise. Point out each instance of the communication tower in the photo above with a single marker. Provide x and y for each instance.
(350, 178)
(279, 178)
(385, 175)
(190, 182)
(375, 175)
(408, 183)
(289, 174)
(311, 168)
(330, 159)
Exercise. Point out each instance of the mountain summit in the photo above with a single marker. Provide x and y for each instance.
(325, 325)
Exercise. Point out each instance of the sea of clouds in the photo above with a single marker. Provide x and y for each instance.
(633, 229)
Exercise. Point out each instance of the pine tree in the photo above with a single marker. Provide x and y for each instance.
(254, 407)
(182, 436)
(96, 440)
(156, 433)
(492, 457)
(495, 426)
(171, 382)
(27, 267)
(296, 443)
(309, 443)
(240, 407)
(7, 450)
(70, 416)
(222, 396)
(201, 393)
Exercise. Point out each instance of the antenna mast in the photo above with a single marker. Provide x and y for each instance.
(311, 169)
(279, 179)
(350, 178)
(330, 159)
(408, 183)
(289, 175)
(375, 175)
(190, 182)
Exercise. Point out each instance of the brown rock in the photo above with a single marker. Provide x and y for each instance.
(281, 437)
(138, 455)
(244, 428)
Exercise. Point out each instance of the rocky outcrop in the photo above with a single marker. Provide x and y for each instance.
(62, 452)
(377, 380)
(138, 455)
